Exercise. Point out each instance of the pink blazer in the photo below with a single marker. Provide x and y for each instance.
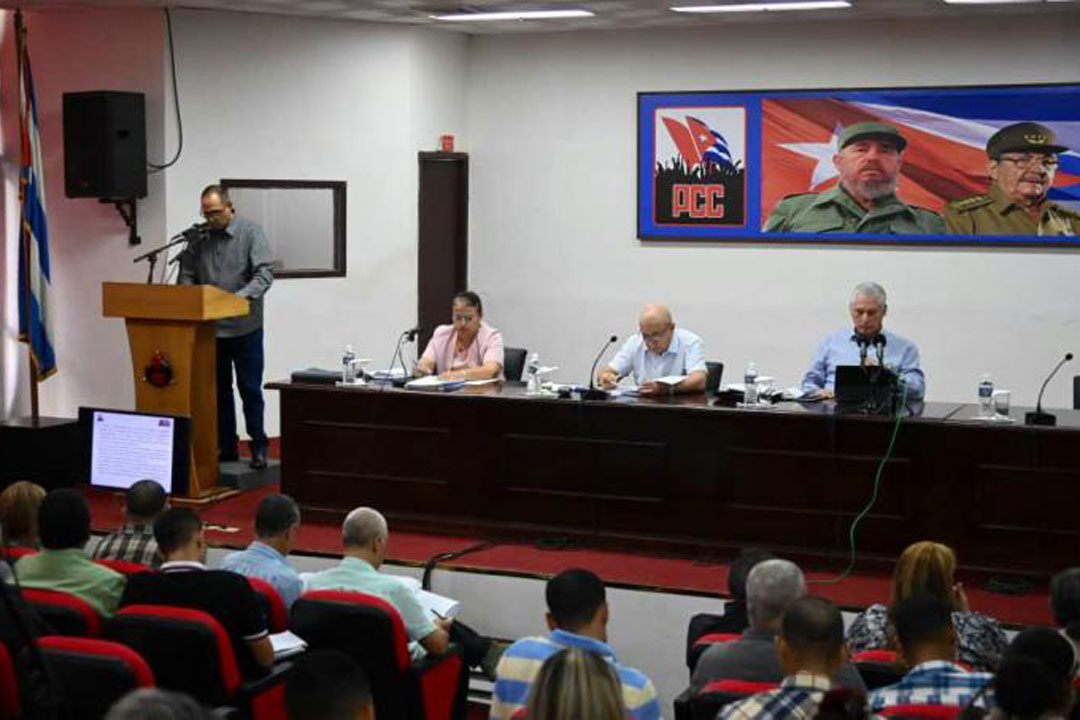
(487, 346)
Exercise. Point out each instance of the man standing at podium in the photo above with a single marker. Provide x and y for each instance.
(234, 255)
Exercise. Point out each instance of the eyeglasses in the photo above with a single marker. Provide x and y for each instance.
(649, 337)
(1047, 161)
(464, 319)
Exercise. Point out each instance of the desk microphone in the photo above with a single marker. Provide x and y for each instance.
(594, 393)
(879, 348)
(864, 345)
(1038, 417)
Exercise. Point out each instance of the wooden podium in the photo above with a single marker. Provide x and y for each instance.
(172, 336)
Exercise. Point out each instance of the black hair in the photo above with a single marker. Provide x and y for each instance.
(741, 567)
(1065, 600)
(573, 597)
(813, 624)
(468, 297)
(175, 528)
(1036, 674)
(220, 190)
(64, 520)
(145, 499)
(326, 684)
(920, 619)
(275, 515)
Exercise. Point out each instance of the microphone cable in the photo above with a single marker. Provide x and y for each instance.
(176, 102)
(873, 497)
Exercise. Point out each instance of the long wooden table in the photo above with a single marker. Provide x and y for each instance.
(680, 474)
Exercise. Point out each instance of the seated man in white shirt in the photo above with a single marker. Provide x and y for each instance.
(658, 350)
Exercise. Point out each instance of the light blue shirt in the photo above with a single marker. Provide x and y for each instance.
(839, 348)
(359, 576)
(685, 354)
(265, 563)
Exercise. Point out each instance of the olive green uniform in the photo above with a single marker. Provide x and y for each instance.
(995, 214)
(836, 211)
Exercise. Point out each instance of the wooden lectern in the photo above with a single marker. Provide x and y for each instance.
(171, 331)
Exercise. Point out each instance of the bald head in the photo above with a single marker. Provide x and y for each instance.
(656, 326)
(656, 314)
(362, 527)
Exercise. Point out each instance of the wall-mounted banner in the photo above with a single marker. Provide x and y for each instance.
(969, 165)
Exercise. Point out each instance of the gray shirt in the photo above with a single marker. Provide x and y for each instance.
(753, 657)
(237, 260)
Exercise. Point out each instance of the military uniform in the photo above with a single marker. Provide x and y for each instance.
(836, 211)
(995, 214)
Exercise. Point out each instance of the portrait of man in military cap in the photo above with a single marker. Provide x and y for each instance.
(868, 162)
(1023, 158)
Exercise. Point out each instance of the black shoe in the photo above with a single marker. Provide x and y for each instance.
(228, 454)
(258, 459)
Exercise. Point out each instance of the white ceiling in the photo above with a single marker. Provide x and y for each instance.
(610, 14)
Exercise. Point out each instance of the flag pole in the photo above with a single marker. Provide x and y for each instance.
(24, 246)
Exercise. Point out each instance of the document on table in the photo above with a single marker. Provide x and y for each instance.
(432, 382)
(670, 379)
(438, 605)
(286, 644)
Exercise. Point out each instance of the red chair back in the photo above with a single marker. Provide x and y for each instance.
(370, 630)
(277, 617)
(124, 567)
(713, 638)
(187, 649)
(12, 553)
(711, 698)
(93, 674)
(9, 687)
(925, 712)
(66, 613)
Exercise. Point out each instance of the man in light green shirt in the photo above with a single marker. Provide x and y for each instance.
(64, 528)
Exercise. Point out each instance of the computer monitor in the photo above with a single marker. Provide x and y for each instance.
(124, 447)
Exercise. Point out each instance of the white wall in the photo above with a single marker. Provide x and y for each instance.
(291, 98)
(552, 222)
(71, 51)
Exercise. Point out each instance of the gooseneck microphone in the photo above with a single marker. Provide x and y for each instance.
(593, 393)
(863, 344)
(879, 348)
(1038, 417)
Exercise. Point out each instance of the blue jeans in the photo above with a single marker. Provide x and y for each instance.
(245, 353)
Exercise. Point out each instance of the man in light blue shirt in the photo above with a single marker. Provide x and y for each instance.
(277, 523)
(845, 347)
(658, 350)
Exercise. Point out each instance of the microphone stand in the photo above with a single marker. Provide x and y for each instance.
(152, 255)
(595, 393)
(1038, 417)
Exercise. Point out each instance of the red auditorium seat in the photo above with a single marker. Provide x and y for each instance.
(190, 651)
(67, 614)
(707, 702)
(9, 687)
(125, 567)
(370, 630)
(277, 617)
(93, 674)
(922, 712)
(877, 668)
(13, 553)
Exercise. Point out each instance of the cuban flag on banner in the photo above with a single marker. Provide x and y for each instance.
(698, 143)
(945, 158)
(34, 273)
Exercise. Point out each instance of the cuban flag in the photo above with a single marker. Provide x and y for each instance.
(699, 144)
(34, 273)
(945, 158)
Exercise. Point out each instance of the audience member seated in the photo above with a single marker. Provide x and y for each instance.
(771, 588)
(134, 541)
(64, 526)
(927, 645)
(328, 685)
(156, 704)
(1065, 602)
(19, 504)
(277, 523)
(811, 651)
(1035, 679)
(365, 536)
(184, 581)
(575, 683)
(577, 617)
(734, 619)
(929, 567)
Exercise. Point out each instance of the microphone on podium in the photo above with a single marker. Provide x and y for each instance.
(1037, 416)
(594, 393)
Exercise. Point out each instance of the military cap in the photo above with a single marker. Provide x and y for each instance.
(1023, 137)
(881, 131)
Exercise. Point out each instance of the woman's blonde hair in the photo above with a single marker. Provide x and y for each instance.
(924, 568)
(576, 684)
(19, 505)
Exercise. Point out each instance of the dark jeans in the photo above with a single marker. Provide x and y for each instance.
(245, 353)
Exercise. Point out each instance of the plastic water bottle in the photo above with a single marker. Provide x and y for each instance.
(750, 396)
(986, 396)
(532, 386)
(348, 366)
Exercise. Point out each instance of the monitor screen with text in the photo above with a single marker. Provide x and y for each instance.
(126, 447)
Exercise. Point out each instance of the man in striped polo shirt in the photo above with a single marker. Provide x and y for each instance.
(577, 617)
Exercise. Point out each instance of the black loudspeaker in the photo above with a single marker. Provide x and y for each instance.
(105, 144)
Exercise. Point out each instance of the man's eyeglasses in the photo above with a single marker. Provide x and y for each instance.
(649, 337)
(1047, 161)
